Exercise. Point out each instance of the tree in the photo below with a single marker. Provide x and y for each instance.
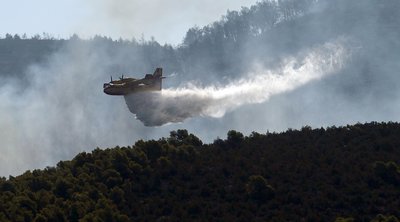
(343, 219)
(383, 218)
(62, 187)
(8, 36)
(258, 189)
(181, 136)
(234, 138)
(389, 172)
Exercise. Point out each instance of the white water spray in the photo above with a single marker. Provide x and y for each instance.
(176, 105)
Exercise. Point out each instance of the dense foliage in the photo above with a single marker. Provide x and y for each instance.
(346, 173)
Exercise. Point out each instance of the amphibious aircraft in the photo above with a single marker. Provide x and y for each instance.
(125, 86)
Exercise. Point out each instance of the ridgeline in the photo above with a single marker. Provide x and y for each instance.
(348, 173)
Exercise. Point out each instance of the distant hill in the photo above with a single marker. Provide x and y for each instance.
(348, 173)
(17, 54)
(265, 32)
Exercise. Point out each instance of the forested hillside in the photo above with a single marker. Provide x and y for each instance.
(346, 173)
(264, 33)
(16, 54)
(220, 46)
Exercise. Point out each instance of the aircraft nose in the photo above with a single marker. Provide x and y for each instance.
(107, 91)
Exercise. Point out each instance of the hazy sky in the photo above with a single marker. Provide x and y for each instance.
(166, 20)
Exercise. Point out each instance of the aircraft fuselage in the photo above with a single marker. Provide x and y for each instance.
(125, 86)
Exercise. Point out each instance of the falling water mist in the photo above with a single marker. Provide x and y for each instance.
(175, 105)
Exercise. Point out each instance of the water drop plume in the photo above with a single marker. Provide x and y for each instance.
(177, 104)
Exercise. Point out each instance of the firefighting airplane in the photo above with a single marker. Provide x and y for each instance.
(125, 86)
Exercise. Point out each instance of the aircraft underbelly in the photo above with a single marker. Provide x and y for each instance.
(125, 91)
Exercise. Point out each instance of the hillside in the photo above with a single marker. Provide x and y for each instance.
(266, 32)
(16, 55)
(338, 173)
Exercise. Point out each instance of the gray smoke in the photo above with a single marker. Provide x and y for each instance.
(167, 21)
(301, 72)
(175, 105)
(62, 112)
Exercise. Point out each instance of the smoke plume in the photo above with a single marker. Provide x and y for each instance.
(269, 67)
(175, 105)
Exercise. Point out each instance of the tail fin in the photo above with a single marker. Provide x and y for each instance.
(158, 72)
(158, 81)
